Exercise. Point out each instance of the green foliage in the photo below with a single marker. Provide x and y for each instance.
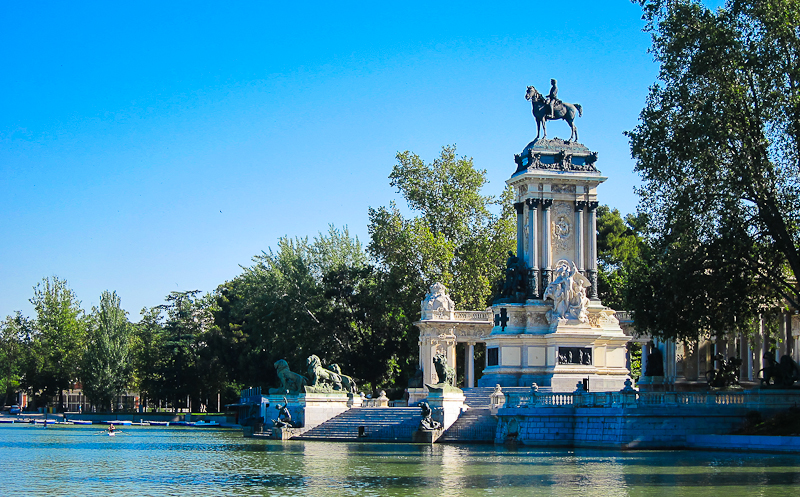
(618, 249)
(57, 340)
(454, 240)
(319, 297)
(717, 148)
(108, 362)
(15, 332)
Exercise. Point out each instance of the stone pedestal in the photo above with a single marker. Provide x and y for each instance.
(426, 436)
(415, 395)
(652, 384)
(446, 406)
(284, 433)
(312, 409)
(556, 354)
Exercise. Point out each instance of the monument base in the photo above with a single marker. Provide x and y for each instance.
(426, 436)
(312, 409)
(556, 353)
(446, 406)
(285, 433)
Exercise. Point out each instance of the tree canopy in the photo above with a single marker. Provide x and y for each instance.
(717, 149)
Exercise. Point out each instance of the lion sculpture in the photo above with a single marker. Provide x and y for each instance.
(348, 383)
(321, 377)
(445, 373)
(290, 381)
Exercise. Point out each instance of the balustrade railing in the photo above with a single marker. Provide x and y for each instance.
(634, 398)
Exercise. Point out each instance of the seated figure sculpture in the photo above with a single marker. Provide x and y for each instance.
(568, 293)
(284, 417)
(427, 423)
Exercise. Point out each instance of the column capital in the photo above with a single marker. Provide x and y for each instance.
(580, 205)
(547, 203)
(519, 206)
(533, 203)
(593, 205)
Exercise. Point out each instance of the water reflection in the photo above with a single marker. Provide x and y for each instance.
(185, 461)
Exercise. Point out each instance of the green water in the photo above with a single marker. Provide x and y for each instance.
(80, 460)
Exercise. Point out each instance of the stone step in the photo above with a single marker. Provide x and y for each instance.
(368, 423)
(475, 425)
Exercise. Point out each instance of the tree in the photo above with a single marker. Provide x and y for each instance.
(180, 341)
(717, 148)
(618, 249)
(108, 361)
(454, 240)
(58, 339)
(306, 297)
(15, 332)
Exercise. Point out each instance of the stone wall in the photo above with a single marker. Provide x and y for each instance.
(615, 427)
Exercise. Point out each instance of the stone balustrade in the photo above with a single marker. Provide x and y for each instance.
(750, 399)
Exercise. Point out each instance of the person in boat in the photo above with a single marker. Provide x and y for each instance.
(111, 428)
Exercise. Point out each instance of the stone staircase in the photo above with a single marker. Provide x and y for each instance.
(474, 425)
(398, 424)
(379, 424)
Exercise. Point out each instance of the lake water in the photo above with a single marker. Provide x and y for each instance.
(82, 460)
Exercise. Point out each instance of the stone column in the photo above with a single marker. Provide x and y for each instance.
(579, 235)
(645, 353)
(592, 263)
(747, 358)
(469, 365)
(520, 207)
(546, 204)
(758, 349)
(533, 259)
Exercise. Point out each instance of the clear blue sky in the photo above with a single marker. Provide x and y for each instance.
(156, 146)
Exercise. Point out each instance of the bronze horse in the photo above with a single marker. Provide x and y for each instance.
(541, 111)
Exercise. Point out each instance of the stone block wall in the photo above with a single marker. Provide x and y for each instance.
(615, 427)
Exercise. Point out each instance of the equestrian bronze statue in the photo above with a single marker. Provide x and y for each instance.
(551, 109)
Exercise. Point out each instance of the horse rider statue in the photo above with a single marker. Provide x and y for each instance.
(552, 98)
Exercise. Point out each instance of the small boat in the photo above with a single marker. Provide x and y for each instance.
(204, 424)
(117, 422)
(182, 423)
(6, 420)
(81, 422)
(44, 421)
(158, 423)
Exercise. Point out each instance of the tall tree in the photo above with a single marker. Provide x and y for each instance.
(58, 341)
(717, 148)
(618, 250)
(15, 332)
(455, 239)
(108, 361)
(180, 343)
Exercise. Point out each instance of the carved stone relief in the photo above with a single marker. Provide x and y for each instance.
(562, 188)
(561, 228)
(523, 189)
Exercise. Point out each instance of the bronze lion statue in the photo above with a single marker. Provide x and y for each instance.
(290, 381)
(321, 377)
(445, 373)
